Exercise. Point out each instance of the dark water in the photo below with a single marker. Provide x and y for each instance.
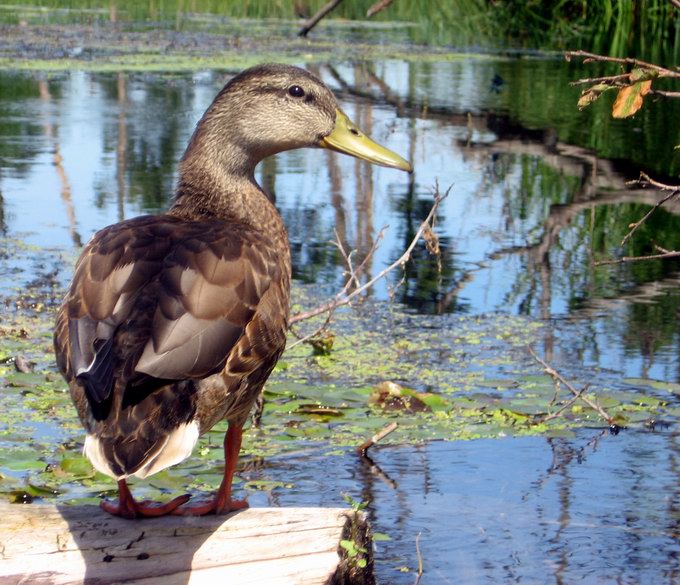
(537, 193)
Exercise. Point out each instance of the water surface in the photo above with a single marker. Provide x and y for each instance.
(537, 193)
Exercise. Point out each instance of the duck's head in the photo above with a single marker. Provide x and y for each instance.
(272, 108)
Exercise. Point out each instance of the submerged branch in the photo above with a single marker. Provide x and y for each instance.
(578, 394)
(420, 559)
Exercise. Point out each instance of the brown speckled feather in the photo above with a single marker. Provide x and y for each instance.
(157, 307)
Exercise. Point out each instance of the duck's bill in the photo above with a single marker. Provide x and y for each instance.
(347, 138)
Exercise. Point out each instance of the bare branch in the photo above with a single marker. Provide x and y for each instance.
(668, 94)
(577, 393)
(643, 180)
(624, 78)
(377, 7)
(353, 273)
(311, 335)
(312, 22)
(564, 407)
(590, 57)
(625, 259)
(344, 297)
(420, 559)
(361, 449)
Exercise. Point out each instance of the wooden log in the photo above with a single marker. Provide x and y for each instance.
(80, 544)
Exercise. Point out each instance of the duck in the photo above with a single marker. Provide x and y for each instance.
(174, 322)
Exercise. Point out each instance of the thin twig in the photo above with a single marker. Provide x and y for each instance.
(363, 448)
(663, 93)
(312, 22)
(645, 179)
(564, 407)
(420, 559)
(609, 79)
(377, 7)
(637, 224)
(557, 376)
(353, 277)
(589, 57)
(353, 274)
(317, 331)
(626, 259)
(344, 297)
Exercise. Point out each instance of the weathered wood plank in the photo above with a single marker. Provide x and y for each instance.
(63, 545)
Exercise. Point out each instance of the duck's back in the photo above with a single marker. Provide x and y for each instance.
(169, 326)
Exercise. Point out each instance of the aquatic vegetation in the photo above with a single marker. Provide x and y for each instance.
(451, 378)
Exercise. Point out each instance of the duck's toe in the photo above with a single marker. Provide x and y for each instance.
(131, 509)
(213, 506)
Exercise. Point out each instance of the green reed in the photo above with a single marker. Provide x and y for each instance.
(644, 28)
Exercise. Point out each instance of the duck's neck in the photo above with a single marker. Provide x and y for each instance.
(223, 186)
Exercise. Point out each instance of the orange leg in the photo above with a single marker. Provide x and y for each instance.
(127, 507)
(222, 503)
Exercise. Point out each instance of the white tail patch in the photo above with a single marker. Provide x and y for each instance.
(178, 446)
(93, 451)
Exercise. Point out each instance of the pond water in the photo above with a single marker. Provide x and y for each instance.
(537, 192)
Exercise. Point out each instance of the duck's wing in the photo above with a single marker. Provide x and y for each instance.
(159, 298)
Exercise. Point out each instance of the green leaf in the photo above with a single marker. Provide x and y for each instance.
(77, 466)
(350, 547)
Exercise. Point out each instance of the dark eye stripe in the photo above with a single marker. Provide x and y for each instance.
(296, 91)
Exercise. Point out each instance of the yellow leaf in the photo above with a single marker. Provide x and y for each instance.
(587, 98)
(629, 99)
(589, 95)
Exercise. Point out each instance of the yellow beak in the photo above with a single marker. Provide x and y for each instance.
(347, 138)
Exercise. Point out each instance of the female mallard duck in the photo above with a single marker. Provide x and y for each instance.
(174, 322)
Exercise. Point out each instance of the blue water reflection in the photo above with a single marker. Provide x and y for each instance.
(596, 508)
(534, 198)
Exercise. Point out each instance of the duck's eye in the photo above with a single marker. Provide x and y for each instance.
(296, 91)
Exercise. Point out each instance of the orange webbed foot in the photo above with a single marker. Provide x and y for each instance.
(211, 507)
(128, 507)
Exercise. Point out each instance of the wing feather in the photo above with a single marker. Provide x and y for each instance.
(160, 297)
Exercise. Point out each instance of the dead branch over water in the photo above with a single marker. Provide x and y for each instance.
(366, 445)
(594, 57)
(643, 181)
(345, 297)
(312, 22)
